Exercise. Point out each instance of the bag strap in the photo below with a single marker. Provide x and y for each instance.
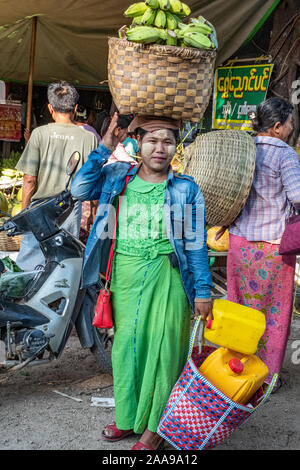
(111, 252)
(198, 323)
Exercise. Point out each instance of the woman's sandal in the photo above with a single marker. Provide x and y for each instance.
(140, 446)
(117, 434)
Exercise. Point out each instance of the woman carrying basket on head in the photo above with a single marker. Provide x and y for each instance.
(257, 276)
(160, 271)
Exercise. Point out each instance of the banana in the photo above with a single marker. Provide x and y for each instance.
(171, 21)
(200, 18)
(143, 34)
(163, 34)
(197, 28)
(201, 27)
(148, 17)
(152, 3)
(186, 9)
(177, 18)
(171, 41)
(202, 21)
(136, 9)
(176, 7)
(198, 40)
(164, 4)
(137, 20)
(160, 19)
(181, 25)
(193, 28)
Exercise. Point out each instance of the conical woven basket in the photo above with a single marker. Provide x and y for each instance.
(159, 80)
(222, 164)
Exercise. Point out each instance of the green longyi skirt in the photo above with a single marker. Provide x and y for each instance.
(152, 330)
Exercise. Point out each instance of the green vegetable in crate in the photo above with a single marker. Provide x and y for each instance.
(20, 195)
(12, 282)
(11, 161)
(11, 265)
(3, 205)
(16, 209)
(9, 172)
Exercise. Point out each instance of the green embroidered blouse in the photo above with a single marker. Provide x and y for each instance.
(141, 227)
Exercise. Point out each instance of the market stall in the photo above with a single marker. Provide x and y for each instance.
(10, 179)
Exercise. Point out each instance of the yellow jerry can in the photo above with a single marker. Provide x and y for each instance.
(236, 375)
(235, 326)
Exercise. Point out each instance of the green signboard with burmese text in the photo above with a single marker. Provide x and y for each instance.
(237, 91)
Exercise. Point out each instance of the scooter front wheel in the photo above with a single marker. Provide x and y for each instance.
(101, 349)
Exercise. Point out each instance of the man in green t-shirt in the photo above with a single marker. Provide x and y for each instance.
(45, 159)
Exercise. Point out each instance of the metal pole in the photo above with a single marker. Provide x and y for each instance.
(30, 78)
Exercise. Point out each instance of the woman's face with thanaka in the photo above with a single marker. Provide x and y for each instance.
(157, 149)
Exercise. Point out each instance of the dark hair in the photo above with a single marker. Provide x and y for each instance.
(62, 96)
(123, 122)
(269, 112)
(142, 132)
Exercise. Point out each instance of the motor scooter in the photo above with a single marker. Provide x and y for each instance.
(38, 309)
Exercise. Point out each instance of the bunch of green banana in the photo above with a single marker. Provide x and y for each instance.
(202, 21)
(198, 40)
(196, 35)
(160, 22)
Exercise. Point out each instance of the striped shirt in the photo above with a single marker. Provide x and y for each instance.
(275, 188)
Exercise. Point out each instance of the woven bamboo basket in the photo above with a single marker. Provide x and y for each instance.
(159, 80)
(9, 243)
(222, 164)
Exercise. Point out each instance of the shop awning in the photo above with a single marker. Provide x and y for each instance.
(71, 39)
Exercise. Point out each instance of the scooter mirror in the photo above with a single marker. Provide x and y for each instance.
(73, 163)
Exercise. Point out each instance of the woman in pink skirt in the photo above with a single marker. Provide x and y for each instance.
(257, 276)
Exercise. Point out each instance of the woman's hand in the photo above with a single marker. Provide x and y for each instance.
(203, 309)
(110, 140)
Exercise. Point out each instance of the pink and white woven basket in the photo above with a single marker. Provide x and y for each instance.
(198, 415)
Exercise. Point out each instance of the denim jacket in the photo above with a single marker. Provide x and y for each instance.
(186, 233)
